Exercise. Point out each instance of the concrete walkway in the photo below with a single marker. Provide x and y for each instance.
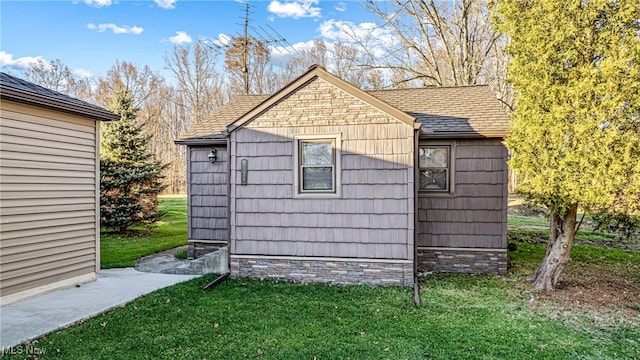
(31, 318)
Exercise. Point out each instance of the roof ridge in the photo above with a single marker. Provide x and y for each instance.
(432, 87)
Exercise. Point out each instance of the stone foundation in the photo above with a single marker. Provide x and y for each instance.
(196, 249)
(461, 260)
(372, 272)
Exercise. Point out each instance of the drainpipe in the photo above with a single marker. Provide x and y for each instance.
(416, 187)
(229, 202)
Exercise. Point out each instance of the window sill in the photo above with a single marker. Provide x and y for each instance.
(436, 194)
(316, 196)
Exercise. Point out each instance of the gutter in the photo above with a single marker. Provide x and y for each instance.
(201, 141)
(461, 134)
(88, 110)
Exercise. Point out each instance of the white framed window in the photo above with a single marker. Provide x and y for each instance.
(317, 165)
(435, 168)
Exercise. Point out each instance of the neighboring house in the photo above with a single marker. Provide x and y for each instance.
(49, 189)
(324, 182)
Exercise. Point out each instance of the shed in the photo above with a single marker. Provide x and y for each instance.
(325, 182)
(49, 189)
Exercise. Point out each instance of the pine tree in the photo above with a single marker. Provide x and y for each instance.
(129, 177)
(575, 137)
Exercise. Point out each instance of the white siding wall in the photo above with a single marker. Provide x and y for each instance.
(48, 197)
(372, 218)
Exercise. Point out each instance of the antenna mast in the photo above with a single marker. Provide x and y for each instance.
(245, 57)
(249, 37)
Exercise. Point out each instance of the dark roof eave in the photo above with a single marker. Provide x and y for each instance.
(30, 98)
(201, 141)
(462, 135)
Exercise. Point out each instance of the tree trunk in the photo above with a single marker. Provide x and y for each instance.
(561, 236)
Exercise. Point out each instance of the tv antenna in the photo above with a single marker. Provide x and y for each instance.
(251, 36)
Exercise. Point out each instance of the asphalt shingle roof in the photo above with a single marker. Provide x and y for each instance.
(461, 109)
(466, 109)
(217, 122)
(21, 90)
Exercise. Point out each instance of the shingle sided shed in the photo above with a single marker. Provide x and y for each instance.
(324, 182)
(49, 189)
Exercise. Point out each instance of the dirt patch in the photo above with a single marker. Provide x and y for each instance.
(596, 288)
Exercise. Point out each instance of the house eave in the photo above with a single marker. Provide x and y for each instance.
(33, 99)
(201, 141)
(462, 135)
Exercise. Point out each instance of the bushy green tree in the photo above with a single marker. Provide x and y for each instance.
(575, 138)
(129, 176)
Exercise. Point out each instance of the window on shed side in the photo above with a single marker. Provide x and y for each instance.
(435, 168)
(317, 166)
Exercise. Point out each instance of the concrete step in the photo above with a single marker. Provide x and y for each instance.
(215, 262)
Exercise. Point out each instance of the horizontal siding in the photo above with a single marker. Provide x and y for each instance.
(207, 194)
(475, 215)
(48, 197)
(372, 218)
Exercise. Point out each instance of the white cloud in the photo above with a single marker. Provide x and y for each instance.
(295, 9)
(165, 4)
(21, 63)
(280, 55)
(341, 6)
(98, 3)
(181, 37)
(124, 29)
(82, 73)
(367, 34)
(222, 40)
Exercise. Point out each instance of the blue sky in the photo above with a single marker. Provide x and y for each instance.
(89, 36)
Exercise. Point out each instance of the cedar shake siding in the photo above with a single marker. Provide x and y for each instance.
(473, 215)
(372, 215)
(207, 191)
(322, 181)
(49, 197)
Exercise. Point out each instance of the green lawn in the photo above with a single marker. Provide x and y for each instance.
(524, 221)
(461, 317)
(171, 232)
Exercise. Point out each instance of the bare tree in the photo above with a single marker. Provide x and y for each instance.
(57, 76)
(439, 43)
(198, 81)
(344, 60)
(140, 81)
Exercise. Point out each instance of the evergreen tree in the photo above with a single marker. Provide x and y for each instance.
(575, 137)
(129, 177)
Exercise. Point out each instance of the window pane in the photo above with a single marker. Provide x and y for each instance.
(434, 157)
(317, 153)
(433, 179)
(317, 178)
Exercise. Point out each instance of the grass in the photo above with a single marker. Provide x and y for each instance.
(181, 255)
(525, 221)
(123, 251)
(461, 317)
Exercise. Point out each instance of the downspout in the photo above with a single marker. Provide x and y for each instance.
(416, 187)
(229, 202)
